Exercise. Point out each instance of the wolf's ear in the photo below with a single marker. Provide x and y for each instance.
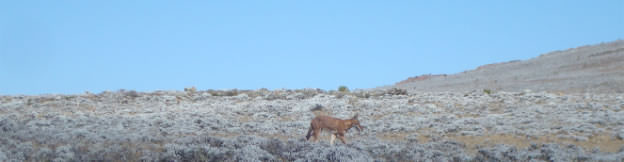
(355, 116)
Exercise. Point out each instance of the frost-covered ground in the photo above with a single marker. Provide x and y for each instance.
(271, 125)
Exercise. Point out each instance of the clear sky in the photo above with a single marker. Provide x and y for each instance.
(70, 47)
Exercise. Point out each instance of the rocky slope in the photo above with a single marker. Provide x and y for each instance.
(270, 126)
(596, 68)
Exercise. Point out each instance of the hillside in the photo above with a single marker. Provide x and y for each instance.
(596, 68)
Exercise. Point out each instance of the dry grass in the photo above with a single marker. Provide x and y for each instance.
(602, 141)
(605, 142)
(402, 136)
(377, 117)
(321, 113)
(245, 118)
(287, 118)
(496, 107)
(468, 115)
(394, 137)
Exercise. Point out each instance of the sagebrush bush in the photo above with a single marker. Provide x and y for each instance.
(132, 94)
(487, 91)
(397, 91)
(343, 88)
(190, 90)
(232, 92)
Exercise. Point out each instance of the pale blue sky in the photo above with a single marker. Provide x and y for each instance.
(76, 46)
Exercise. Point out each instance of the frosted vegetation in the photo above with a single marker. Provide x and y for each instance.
(263, 125)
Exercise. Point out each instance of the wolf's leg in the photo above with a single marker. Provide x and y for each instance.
(316, 134)
(309, 133)
(333, 137)
(342, 138)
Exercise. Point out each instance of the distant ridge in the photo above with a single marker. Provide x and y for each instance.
(592, 68)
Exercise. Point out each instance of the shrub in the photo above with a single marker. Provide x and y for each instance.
(309, 93)
(397, 91)
(232, 92)
(132, 94)
(361, 94)
(487, 91)
(343, 88)
(317, 107)
(190, 90)
(213, 92)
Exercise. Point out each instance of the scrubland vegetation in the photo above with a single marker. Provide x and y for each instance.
(270, 125)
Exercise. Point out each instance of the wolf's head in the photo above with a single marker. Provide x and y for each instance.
(356, 123)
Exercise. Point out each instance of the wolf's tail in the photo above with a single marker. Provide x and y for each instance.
(309, 133)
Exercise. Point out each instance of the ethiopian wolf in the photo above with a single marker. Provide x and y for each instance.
(337, 127)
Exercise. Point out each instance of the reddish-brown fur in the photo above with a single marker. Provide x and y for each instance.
(338, 127)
